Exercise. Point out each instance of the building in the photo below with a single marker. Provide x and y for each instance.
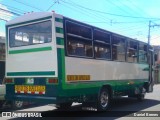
(157, 63)
(2, 58)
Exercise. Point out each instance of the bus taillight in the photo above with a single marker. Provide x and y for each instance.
(9, 80)
(52, 80)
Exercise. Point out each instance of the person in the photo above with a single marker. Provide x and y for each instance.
(89, 52)
(70, 49)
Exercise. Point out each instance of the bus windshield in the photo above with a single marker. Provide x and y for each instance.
(31, 34)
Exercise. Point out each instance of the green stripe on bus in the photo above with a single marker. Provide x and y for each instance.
(6, 38)
(37, 73)
(60, 41)
(59, 30)
(59, 20)
(30, 50)
(61, 65)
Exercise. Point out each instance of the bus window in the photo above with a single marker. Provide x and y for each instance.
(102, 51)
(102, 45)
(79, 40)
(78, 30)
(30, 34)
(118, 48)
(132, 51)
(142, 57)
(79, 47)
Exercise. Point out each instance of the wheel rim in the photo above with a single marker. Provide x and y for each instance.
(104, 99)
(18, 104)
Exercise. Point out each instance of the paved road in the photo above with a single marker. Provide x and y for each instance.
(121, 108)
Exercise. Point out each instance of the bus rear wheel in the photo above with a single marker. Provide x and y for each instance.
(104, 99)
(17, 104)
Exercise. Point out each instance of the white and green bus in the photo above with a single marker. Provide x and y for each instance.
(54, 59)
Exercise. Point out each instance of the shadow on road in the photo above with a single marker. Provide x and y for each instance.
(120, 107)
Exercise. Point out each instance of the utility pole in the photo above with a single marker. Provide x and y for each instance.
(151, 76)
(149, 31)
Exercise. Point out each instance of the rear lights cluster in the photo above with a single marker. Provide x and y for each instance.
(52, 81)
(9, 80)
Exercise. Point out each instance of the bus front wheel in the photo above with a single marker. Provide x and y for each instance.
(140, 97)
(104, 100)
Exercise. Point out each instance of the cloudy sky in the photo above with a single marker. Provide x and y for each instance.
(126, 17)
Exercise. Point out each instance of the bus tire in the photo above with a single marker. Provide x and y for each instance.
(141, 96)
(104, 99)
(17, 104)
(64, 106)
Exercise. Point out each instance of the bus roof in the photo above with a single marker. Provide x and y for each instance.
(38, 15)
(29, 17)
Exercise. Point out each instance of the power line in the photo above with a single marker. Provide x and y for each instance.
(7, 11)
(110, 13)
(3, 19)
(6, 15)
(28, 5)
(136, 7)
(111, 2)
(78, 8)
(16, 9)
(57, 1)
(71, 3)
(84, 12)
(115, 22)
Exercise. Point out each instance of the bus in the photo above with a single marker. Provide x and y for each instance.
(54, 59)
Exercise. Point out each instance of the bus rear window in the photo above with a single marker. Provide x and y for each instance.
(37, 33)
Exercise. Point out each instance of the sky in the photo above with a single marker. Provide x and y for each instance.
(126, 17)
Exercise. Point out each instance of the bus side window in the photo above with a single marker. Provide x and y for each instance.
(132, 51)
(80, 50)
(102, 44)
(142, 57)
(79, 39)
(114, 53)
(89, 51)
(102, 51)
(118, 48)
(70, 49)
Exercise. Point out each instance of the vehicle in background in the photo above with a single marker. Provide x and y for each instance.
(4, 103)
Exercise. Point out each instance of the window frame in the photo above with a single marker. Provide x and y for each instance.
(102, 42)
(27, 24)
(123, 38)
(144, 44)
(77, 36)
(125, 46)
(130, 48)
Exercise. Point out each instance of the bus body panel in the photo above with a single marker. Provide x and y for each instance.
(105, 70)
(32, 66)
(77, 79)
(32, 60)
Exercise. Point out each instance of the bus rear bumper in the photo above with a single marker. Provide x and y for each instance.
(29, 98)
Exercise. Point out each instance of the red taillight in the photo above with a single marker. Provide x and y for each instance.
(52, 80)
(9, 80)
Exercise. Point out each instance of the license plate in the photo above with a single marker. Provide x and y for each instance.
(27, 88)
